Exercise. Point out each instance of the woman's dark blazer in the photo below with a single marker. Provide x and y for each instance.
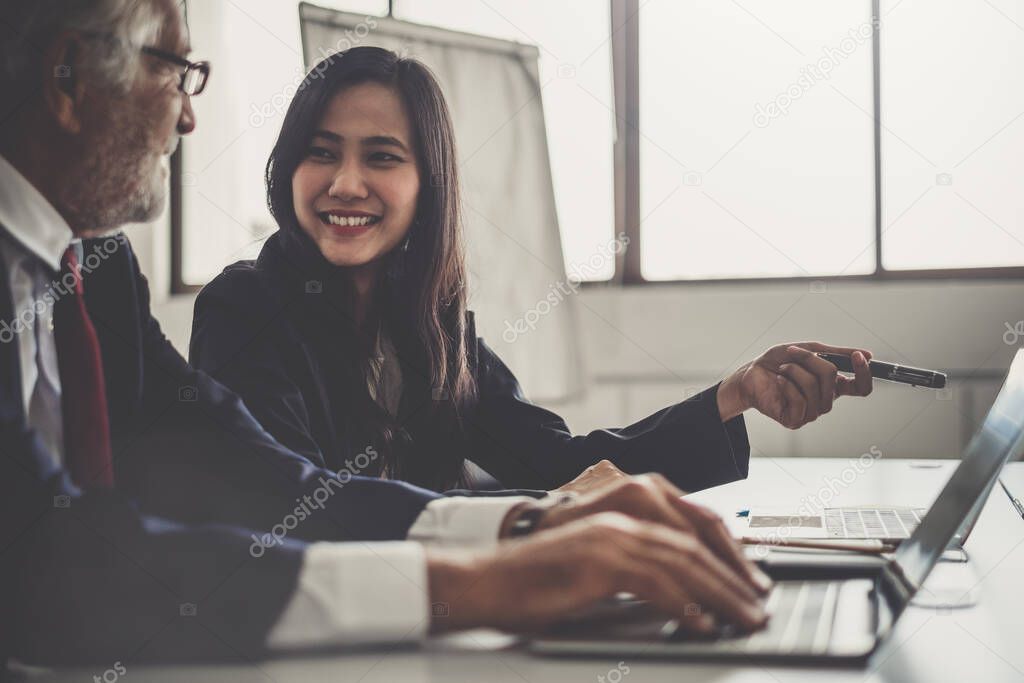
(255, 330)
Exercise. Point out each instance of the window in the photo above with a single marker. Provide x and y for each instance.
(728, 140)
(760, 152)
(755, 146)
(223, 209)
(952, 106)
(256, 55)
(576, 89)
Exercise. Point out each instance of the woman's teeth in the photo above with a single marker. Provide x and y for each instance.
(351, 221)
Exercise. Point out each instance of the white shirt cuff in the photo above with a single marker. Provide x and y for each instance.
(459, 520)
(356, 593)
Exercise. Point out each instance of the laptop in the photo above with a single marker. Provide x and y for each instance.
(887, 524)
(834, 612)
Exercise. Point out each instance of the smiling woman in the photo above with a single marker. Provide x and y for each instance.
(352, 330)
(381, 253)
(355, 192)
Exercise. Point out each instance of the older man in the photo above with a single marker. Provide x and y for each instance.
(143, 512)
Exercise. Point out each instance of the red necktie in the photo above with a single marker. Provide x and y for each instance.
(83, 391)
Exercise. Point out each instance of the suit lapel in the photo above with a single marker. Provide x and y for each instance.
(11, 408)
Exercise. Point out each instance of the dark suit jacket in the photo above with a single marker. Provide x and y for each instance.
(252, 331)
(108, 576)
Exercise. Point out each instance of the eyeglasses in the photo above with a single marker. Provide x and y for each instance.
(194, 76)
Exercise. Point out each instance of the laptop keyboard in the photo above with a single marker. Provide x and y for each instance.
(871, 523)
(801, 614)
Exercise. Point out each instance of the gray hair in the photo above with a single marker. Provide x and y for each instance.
(119, 28)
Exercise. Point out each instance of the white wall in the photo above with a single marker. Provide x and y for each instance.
(646, 347)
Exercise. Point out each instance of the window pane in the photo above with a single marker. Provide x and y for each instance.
(952, 105)
(575, 71)
(756, 151)
(256, 63)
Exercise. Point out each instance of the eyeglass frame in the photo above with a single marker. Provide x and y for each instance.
(202, 67)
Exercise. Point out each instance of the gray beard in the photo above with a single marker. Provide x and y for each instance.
(114, 182)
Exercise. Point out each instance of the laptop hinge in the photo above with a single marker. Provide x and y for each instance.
(904, 585)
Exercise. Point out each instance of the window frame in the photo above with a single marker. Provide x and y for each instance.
(176, 209)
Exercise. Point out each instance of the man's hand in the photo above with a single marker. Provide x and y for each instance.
(792, 385)
(651, 497)
(527, 584)
(595, 477)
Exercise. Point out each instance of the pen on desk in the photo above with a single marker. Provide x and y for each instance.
(1014, 501)
(872, 546)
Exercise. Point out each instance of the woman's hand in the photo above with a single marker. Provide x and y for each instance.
(595, 477)
(792, 385)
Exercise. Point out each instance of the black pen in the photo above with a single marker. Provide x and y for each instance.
(891, 372)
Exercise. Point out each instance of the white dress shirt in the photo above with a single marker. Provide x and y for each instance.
(32, 266)
(347, 593)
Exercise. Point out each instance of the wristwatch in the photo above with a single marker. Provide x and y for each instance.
(527, 521)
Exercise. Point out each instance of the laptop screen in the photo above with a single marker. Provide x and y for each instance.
(999, 437)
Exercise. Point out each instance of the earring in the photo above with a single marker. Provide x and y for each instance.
(408, 235)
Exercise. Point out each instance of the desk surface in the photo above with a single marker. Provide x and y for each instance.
(982, 642)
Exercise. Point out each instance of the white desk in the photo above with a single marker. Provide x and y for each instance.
(980, 643)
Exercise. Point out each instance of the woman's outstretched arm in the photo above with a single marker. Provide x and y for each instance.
(524, 445)
(697, 443)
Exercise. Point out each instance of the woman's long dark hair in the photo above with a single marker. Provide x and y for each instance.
(421, 300)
